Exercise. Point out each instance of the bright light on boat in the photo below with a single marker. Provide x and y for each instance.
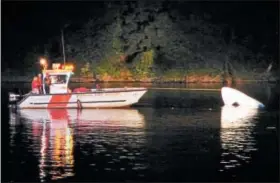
(43, 61)
(69, 67)
(56, 66)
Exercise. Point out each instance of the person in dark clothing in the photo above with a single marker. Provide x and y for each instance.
(40, 86)
(47, 83)
(97, 84)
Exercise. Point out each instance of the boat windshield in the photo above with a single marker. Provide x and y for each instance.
(58, 79)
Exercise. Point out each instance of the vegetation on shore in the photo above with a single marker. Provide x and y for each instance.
(150, 42)
(173, 76)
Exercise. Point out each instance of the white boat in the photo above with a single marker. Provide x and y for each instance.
(60, 96)
(233, 97)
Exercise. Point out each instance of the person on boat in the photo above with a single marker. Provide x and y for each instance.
(40, 83)
(54, 79)
(47, 83)
(97, 84)
(35, 85)
(60, 79)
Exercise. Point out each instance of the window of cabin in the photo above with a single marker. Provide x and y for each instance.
(58, 79)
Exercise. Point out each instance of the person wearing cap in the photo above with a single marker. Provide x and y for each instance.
(47, 83)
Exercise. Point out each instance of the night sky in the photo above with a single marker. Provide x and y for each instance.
(26, 24)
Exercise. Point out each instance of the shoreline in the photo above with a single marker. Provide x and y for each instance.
(83, 80)
(203, 79)
(193, 77)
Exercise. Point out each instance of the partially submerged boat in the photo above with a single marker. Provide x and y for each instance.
(61, 97)
(233, 97)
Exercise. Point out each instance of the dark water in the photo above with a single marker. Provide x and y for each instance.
(171, 135)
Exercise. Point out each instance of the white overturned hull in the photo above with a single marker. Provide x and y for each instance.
(234, 97)
(105, 98)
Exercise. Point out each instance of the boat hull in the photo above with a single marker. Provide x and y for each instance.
(232, 96)
(106, 98)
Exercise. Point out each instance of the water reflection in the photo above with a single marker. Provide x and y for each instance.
(237, 142)
(93, 130)
(110, 143)
(56, 142)
(13, 121)
(169, 144)
(108, 118)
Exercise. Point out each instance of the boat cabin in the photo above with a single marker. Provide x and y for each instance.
(60, 77)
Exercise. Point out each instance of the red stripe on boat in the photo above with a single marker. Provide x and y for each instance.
(59, 101)
(81, 90)
(58, 114)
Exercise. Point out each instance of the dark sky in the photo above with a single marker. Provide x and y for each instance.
(25, 24)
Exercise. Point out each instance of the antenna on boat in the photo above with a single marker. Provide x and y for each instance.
(62, 41)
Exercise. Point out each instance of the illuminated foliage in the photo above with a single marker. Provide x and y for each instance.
(148, 39)
(86, 70)
(143, 68)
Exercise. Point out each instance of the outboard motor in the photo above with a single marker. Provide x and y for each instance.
(15, 96)
(13, 99)
(4, 104)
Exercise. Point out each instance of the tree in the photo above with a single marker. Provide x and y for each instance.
(129, 31)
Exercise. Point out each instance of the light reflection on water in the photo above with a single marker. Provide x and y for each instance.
(114, 140)
(237, 141)
(110, 140)
(148, 143)
(54, 130)
(55, 142)
(173, 136)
